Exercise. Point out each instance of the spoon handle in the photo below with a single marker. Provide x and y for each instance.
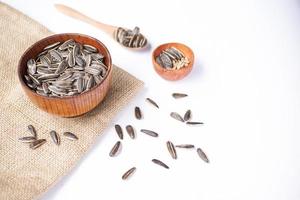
(77, 15)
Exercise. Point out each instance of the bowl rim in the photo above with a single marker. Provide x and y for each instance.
(170, 43)
(53, 36)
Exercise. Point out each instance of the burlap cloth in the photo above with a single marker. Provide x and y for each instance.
(27, 173)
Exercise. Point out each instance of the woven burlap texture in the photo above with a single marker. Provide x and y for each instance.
(27, 173)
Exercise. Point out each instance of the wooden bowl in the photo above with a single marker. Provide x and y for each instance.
(69, 106)
(171, 74)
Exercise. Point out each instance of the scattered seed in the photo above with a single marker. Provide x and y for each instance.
(128, 173)
(149, 132)
(186, 146)
(115, 150)
(27, 139)
(55, 137)
(172, 150)
(37, 143)
(194, 123)
(152, 102)
(176, 116)
(70, 136)
(160, 163)
(130, 131)
(179, 95)
(137, 112)
(119, 131)
(202, 155)
(32, 131)
(187, 115)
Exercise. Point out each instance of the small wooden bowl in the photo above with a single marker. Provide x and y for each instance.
(169, 74)
(70, 106)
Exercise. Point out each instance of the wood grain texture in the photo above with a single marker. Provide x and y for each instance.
(67, 106)
(169, 74)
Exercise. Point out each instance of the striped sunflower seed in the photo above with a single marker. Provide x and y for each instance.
(70, 136)
(27, 139)
(187, 115)
(171, 149)
(130, 131)
(202, 155)
(149, 132)
(152, 102)
(185, 146)
(115, 150)
(55, 137)
(176, 116)
(137, 112)
(179, 95)
(119, 131)
(37, 143)
(32, 130)
(160, 163)
(128, 173)
(194, 123)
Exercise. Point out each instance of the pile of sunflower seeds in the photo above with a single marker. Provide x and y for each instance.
(170, 147)
(172, 58)
(130, 38)
(35, 143)
(65, 69)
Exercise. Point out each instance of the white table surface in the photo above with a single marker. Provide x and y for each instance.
(245, 86)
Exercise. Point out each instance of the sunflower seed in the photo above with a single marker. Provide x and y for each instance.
(70, 136)
(55, 137)
(152, 102)
(31, 64)
(51, 46)
(194, 123)
(37, 143)
(187, 115)
(56, 55)
(185, 146)
(202, 155)
(176, 116)
(115, 150)
(179, 95)
(149, 132)
(90, 48)
(128, 173)
(160, 163)
(66, 44)
(172, 150)
(27, 139)
(137, 113)
(32, 131)
(130, 131)
(119, 131)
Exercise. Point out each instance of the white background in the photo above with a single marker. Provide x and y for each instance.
(245, 86)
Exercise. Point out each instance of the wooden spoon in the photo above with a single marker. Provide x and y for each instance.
(136, 41)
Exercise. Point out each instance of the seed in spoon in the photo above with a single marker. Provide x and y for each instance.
(130, 38)
(152, 102)
(128, 173)
(119, 131)
(160, 163)
(137, 112)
